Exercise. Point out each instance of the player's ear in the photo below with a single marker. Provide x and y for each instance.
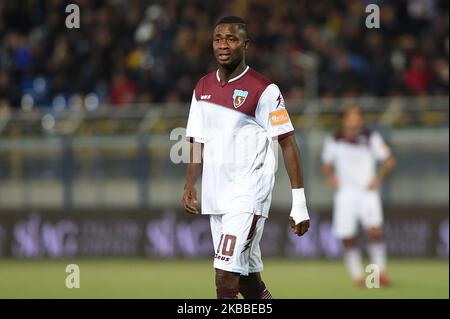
(246, 43)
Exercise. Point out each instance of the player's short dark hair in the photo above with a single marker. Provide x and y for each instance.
(233, 20)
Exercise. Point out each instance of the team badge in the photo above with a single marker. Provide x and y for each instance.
(239, 97)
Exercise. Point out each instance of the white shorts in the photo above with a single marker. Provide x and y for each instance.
(236, 238)
(353, 207)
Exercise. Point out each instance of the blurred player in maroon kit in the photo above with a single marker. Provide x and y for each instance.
(349, 163)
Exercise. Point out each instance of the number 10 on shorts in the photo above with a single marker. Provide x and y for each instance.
(226, 246)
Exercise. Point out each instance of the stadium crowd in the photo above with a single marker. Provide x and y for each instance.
(155, 51)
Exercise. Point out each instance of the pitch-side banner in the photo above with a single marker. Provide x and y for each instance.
(173, 234)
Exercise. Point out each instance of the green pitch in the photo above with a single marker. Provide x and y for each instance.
(189, 279)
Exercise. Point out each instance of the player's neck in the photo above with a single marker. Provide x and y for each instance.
(226, 74)
(351, 133)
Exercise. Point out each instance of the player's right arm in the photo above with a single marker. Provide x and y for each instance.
(328, 157)
(193, 172)
(194, 134)
(383, 153)
(330, 177)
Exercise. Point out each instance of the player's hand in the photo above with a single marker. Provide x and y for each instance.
(299, 220)
(299, 217)
(190, 200)
(332, 182)
(300, 228)
(375, 184)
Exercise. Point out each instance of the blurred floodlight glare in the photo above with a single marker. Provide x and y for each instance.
(91, 102)
(144, 32)
(75, 102)
(48, 122)
(59, 103)
(39, 85)
(27, 102)
(153, 12)
(398, 60)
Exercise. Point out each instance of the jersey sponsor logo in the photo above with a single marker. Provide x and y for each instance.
(239, 97)
(279, 117)
(205, 97)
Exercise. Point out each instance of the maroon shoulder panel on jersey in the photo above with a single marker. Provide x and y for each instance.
(361, 138)
(338, 136)
(260, 79)
(241, 95)
(199, 87)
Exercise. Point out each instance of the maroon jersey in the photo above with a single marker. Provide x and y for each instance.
(237, 121)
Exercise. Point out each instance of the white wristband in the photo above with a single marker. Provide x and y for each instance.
(299, 211)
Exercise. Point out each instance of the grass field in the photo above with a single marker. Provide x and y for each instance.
(189, 279)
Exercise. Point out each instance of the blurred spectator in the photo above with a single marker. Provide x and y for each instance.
(133, 51)
(441, 71)
(123, 90)
(8, 93)
(418, 76)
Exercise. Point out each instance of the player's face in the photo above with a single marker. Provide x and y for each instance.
(229, 45)
(353, 121)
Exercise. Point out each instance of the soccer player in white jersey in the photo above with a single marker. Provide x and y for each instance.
(235, 115)
(350, 167)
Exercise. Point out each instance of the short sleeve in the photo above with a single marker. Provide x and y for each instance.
(378, 147)
(194, 129)
(272, 115)
(329, 151)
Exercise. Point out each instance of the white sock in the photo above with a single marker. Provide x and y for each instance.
(352, 257)
(377, 253)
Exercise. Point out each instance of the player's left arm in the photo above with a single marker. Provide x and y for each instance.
(383, 153)
(385, 169)
(299, 218)
(272, 115)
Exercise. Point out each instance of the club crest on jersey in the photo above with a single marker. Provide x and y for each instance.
(239, 97)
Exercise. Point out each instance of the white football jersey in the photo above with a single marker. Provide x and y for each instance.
(355, 160)
(237, 122)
